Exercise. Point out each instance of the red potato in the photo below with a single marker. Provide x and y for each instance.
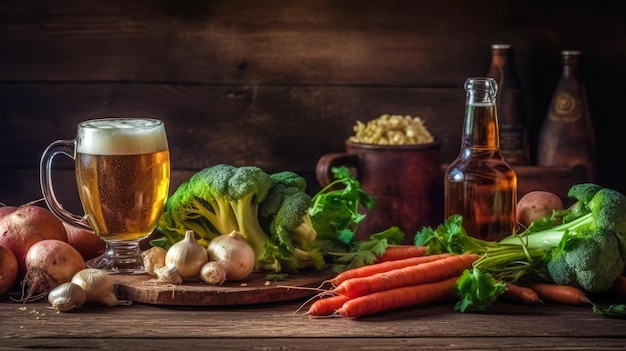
(87, 243)
(8, 269)
(536, 205)
(27, 225)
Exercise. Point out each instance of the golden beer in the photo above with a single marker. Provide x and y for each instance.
(122, 173)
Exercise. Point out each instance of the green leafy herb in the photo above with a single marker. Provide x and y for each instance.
(367, 251)
(478, 290)
(336, 208)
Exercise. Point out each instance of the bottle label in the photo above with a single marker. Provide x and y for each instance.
(512, 144)
(511, 115)
(566, 108)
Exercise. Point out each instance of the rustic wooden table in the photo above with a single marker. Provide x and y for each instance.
(275, 326)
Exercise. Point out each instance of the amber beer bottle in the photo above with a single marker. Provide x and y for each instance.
(480, 185)
(510, 104)
(566, 137)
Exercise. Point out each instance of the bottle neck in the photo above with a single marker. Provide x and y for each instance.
(570, 61)
(499, 59)
(481, 130)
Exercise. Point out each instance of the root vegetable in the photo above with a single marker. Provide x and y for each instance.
(563, 294)
(403, 297)
(5, 210)
(399, 252)
(8, 269)
(153, 258)
(87, 243)
(428, 272)
(50, 263)
(29, 224)
(536, 205)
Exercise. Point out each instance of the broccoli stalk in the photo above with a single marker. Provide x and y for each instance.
(584, 246)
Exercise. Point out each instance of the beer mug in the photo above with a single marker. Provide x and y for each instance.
(122, 168)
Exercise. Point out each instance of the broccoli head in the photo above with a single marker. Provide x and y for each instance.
(589, 250)
(223, 198)
(285, 215)
(215, 201)
(587, 259)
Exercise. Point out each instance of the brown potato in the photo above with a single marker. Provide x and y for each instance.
(536, 205)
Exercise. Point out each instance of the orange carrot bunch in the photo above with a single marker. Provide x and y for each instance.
(390, 285)
(421, 279)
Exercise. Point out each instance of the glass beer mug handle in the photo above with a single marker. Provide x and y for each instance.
(67, 147)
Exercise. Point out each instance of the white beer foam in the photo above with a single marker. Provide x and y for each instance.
(121, 136)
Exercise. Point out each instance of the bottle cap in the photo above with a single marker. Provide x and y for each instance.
(571, 52)
(500, 46)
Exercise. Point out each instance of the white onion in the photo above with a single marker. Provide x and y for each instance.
(235, 254)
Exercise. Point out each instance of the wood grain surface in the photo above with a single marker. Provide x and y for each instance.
(279, 84)
(278, 326)
(255, 289)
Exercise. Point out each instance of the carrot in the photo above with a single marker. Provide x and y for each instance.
(386, 266)
(408, 296)
(563, 294)
(399, 252)
(520, 293)
(619, 286)
(327, 306)
(413, 275)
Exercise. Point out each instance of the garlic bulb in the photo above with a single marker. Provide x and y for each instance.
(213, 273)
(153, 258)
(98, 286)
(66, 297)
(234, 252)
(187, 256)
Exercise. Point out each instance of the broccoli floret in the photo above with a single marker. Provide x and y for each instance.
(285, 214)
(199, 204)
(207, 188)
(583, 193)
(215, 201)
(587, 259)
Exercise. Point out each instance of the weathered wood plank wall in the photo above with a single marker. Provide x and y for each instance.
(280, 83)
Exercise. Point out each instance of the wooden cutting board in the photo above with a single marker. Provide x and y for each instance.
(253, 290)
